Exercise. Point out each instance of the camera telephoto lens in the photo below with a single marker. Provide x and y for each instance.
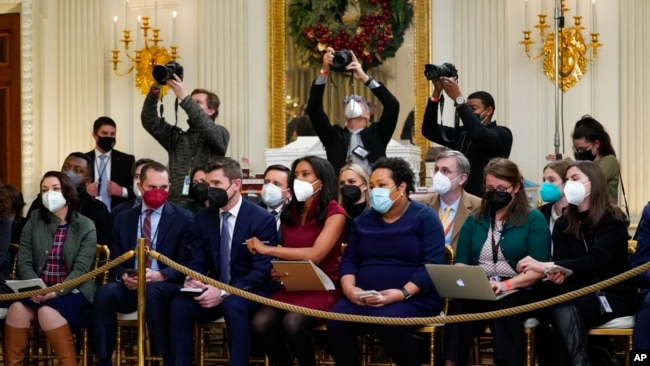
(435, 72)
(161, 73)
(341, 60)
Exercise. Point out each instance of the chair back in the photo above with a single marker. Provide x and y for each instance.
(102, 256)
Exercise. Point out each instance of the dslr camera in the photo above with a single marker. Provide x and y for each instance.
(161, 73)
(435, 72)
(342, 58)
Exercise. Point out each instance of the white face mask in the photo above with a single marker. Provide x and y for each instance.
(303, 190)
(353, 109)
(442, 183)
(272, 195)
(575, 192)
(136, 190)
(53, 200)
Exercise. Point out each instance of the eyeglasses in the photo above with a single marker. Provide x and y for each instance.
(582, 149)
(444, 171)
(498, 189)
(356, 98)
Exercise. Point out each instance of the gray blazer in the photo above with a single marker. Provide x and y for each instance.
(78, 250)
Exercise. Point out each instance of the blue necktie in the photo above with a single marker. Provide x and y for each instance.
(103, 182)
(224, 250)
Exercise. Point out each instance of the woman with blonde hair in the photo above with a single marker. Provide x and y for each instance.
(354, 195)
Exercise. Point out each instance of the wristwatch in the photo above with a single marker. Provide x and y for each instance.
(406, 294)
(460, 100)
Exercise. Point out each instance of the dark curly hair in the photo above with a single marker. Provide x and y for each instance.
(400, 172)
(329, 189)
(11, 201)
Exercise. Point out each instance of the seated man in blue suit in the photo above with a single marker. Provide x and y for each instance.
(168, 229)
(223, 229)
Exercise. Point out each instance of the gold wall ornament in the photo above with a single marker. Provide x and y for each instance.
(143, 60)
(573, 51)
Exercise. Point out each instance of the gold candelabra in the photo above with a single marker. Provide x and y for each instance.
(143, 60)
(572, 49)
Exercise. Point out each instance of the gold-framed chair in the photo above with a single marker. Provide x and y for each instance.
(212, 340)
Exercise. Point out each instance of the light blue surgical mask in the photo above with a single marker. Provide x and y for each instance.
(550, 192)
(380, 199)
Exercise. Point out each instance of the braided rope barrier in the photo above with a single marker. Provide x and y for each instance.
(70, 283)
(338, 316)
(405, 321)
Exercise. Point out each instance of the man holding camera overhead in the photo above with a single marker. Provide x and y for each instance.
(356, 142)
(479, 138)
(202, 142)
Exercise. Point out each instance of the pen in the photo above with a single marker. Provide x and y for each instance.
(264, 242)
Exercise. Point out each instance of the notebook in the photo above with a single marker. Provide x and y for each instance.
(463, 282)
(303, 275)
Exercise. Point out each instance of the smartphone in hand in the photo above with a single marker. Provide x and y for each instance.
(132, 272)
(555, 269)
(367, 294)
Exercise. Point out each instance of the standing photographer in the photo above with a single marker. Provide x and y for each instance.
(356, 142)
(202, 142)
(479, 139)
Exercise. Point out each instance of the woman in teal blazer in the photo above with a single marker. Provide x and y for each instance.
(504, 230)
(57, 244)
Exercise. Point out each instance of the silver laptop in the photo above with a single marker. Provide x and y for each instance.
(462, 282)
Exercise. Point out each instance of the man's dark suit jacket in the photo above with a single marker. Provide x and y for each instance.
(337, 139)
(175, 239)
(247, 271)
(121, 164)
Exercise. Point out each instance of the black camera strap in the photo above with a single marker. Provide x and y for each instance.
(444, 136)
(175, 131)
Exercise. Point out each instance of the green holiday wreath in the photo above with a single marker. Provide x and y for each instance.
(374, 35)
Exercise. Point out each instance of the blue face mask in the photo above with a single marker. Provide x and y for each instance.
(550, 192)
(380, 199)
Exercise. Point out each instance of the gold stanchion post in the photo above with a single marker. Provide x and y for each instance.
(142, 280)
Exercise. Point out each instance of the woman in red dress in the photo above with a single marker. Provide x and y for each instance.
(312, 224)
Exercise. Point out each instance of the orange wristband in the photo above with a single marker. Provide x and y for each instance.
(508, 285)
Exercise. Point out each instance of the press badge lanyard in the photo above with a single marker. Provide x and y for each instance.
(101, 173)
(495, 251)
(154, 236)
(604, 304)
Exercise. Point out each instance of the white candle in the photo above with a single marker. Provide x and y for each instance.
(126, 15)
(577, 7)
(526, 15)
(137, 44)
(593, 16)
(174, 27)
(115, 32)
(155, 14)
(543, 7)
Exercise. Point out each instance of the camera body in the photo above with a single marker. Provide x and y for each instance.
(342, 58)
(161, 73)
(435, 72)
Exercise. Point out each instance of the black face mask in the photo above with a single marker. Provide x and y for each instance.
(106, 143)
(199, 192)
(497, 200)
(350, 194)
(585, 155)
(218, 197)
